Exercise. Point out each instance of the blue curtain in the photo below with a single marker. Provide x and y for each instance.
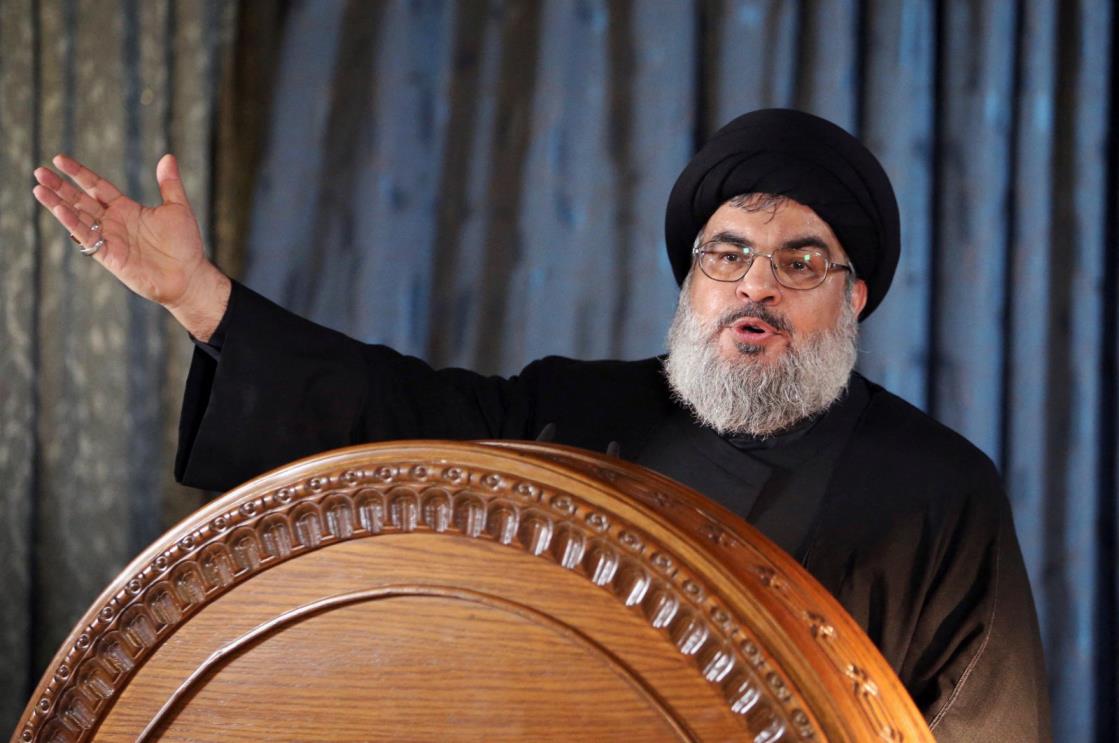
(483, 183)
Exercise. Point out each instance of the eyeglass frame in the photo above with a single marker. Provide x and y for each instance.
(747, 251)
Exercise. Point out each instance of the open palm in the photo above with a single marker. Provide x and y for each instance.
(155, 251)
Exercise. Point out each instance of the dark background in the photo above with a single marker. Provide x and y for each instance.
(481, 183)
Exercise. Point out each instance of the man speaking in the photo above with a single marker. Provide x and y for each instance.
(783, 232)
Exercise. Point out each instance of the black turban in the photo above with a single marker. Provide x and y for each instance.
(803, 157)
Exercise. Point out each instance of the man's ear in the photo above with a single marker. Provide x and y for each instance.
(858, 296)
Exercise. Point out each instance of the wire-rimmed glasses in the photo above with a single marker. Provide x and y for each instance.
(793, 268)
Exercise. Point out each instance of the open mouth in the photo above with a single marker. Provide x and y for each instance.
(753, 329)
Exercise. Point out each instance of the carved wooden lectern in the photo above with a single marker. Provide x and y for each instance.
(450, 591)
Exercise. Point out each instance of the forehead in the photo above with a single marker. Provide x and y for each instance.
(771, 225)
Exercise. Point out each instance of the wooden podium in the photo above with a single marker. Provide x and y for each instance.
(437, 591)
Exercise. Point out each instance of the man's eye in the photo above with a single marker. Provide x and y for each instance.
(799, 262)
(729, 256)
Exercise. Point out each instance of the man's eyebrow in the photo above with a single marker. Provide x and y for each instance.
(729, 237)
(807, 241)
(803, 241)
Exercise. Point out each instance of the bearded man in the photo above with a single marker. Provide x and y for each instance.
(784, 233)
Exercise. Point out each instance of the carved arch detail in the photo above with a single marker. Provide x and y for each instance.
(281, 516)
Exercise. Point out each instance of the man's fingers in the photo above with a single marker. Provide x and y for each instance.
(170, 183)
(67, 192)
(46, 197)
(97, 187)
(72, 221)
(84, 228)
(89, 221)
(79, 224)
(66, 214)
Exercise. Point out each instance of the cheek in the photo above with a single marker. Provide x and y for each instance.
(817, 317)
(709, 301)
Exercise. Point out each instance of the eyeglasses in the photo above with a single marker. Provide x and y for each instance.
(794, 268)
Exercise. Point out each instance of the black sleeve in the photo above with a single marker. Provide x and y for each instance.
(978, 671)
(283, 388)
(918, 544)
(212, 347)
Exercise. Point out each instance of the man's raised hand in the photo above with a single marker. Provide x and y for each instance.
(156, 252)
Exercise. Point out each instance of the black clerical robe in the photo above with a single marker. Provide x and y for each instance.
(900, 518)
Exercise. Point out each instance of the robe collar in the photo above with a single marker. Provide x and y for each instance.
(733, 472)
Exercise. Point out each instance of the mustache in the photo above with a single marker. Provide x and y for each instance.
(758, 312)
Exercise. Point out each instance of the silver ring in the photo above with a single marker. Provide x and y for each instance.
(93, 248)
(95, 226)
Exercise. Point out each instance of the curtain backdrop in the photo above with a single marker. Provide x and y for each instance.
(483, 182)
(91, 377)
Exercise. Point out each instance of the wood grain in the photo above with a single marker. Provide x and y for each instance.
(449, 591)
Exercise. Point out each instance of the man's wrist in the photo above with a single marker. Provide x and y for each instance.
(206, 303)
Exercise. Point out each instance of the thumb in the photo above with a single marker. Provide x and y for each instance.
(170, 185)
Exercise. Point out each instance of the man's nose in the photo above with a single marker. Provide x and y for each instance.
(759, 284)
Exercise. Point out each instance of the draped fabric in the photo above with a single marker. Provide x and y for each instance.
(91, 377)
(482, 183)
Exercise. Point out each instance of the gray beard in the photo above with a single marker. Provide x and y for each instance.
(749, 395)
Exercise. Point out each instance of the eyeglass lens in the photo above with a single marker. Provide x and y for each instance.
(796, 268)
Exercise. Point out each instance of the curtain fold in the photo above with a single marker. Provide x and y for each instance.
(91, 375)
(560, 127)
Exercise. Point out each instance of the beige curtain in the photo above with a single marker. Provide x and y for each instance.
(90, 377)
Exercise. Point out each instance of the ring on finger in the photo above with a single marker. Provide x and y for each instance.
(92, 248)
(95, 226)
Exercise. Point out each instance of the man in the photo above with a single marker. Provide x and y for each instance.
(783, 232)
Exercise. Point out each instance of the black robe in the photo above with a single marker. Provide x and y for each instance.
(900, 518)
